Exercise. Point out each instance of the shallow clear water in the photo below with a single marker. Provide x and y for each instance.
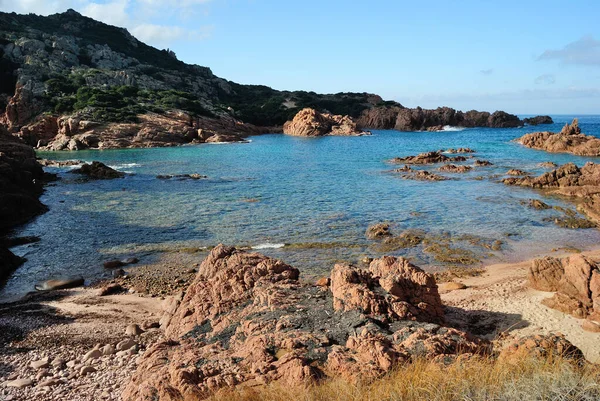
(279, 189)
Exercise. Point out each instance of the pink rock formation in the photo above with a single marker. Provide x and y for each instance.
(568, 140)
(576, 281)
(247, 320)
(309, 122)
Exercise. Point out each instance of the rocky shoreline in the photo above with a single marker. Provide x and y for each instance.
(266, 316)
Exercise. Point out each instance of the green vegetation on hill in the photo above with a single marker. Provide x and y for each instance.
(261, 105)
(191, 88)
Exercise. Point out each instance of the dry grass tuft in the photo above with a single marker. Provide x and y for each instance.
(475, 379)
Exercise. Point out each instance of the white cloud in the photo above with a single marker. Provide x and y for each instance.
(585, 51)
(114, 13)
(487, 72)
(131, 14)
(163, 35)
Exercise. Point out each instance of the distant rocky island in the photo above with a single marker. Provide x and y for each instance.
(70, 83)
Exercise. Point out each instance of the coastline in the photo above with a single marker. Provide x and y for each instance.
(66, 324)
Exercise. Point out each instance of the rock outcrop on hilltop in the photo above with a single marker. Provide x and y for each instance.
(247, 320)
(418, 119)
(569, 180)
(568, 140)
(576, 283)
(538, 120)
(310, 122)
(21, 179)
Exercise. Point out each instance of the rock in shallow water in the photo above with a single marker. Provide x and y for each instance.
(99, 171)
(60, 284)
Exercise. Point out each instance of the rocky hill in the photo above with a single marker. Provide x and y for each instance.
(70, 82)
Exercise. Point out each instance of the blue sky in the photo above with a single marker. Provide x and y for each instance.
(519, 56)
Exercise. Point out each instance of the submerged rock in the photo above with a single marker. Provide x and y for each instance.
(247, 320)
(309, 122)
(99, 171)
(379, 230)
(60, 284)
(568, 140)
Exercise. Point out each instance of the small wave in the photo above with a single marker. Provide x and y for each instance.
(268, 245)
(124, 165)
(451, 128)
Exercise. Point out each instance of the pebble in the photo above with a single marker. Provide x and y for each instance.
(41, 364)
(50, 383)
(126, 344)
(93, 354)
(87, 369)
(19, 383)
(108, 349)
(133, 330)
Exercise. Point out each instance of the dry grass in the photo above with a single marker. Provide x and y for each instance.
(476, 379)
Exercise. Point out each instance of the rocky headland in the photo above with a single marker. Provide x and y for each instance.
(70, 83)
(568, 140)
(538, 120)
(309, 122)
(418, 119)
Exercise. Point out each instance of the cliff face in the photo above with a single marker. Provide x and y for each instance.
(404, 119)
(21, 180)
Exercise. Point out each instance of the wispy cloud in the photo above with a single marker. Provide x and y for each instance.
(585, 51)
(545, 79)
(487, 72)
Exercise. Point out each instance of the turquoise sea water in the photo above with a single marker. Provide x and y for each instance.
(286, 190)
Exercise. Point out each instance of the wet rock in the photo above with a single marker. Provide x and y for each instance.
(60, 284)
(131, 261)
(99, 171)
(423, 175)
(113, 264)
(379, 230)
(483, 163)
(458, 150)
(516, 172)
(110, 289)
(538, 120)
(427, 158)
(548, 165)
(452, 168)
(538, 204)
(309, 122)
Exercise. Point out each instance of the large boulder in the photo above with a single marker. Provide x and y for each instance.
(247, 320)
(568, 140)
(310, 122)
(99, 171)
(21, 178)
(538, 120)
(575, 281)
